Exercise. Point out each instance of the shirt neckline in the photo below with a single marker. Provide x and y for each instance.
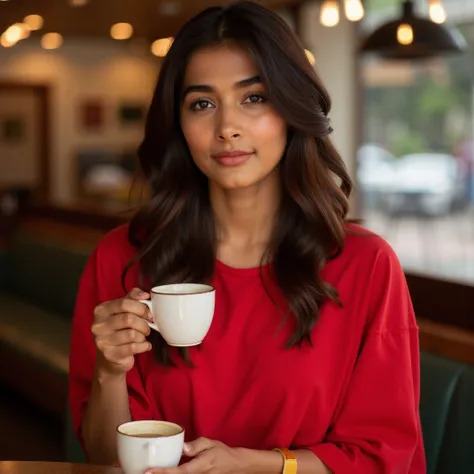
(223, 267)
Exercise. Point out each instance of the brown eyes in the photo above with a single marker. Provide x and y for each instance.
(202, 104)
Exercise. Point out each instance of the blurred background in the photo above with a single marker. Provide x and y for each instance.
(76, 78)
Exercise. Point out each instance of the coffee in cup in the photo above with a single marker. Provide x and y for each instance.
(146, 444)
(182, 312)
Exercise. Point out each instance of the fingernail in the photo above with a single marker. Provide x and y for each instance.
(187, 448)
(149, 347)
(141, 293)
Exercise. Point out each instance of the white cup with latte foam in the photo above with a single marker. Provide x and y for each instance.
(182, 312)
(147, 444)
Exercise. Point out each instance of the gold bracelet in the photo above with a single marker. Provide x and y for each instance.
(290, 465)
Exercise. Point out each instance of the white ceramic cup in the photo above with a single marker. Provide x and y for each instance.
(149, 443)
(182, 312)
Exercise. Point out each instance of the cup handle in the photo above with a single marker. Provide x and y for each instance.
(152, 325)
(151, 449)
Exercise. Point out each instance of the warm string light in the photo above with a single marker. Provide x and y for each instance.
(14, 33)
(437, 12)
(329, 15)
(20, 31)
(34, 22)
(121, 31)
(4, 42)
(51, 41)
(25, 30)
(354, 10)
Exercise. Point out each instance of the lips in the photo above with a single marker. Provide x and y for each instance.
(233, 157)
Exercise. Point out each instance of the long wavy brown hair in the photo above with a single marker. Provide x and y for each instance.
(175, 231)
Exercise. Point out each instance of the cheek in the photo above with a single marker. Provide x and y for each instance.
(271, 131)
(197, 135)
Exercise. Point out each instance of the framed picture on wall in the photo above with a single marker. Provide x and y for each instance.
(91, 115)
(12, 129)
(131, 113)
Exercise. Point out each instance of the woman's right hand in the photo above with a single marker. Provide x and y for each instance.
(119, 330)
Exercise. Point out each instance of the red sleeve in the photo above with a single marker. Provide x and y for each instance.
(378, 430)
(101, 281)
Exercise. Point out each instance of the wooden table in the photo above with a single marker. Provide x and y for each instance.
(35, 467)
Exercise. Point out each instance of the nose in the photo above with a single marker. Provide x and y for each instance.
(227, 127)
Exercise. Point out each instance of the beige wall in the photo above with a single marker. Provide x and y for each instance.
(335, 51)
(18, 159)
(112, 71)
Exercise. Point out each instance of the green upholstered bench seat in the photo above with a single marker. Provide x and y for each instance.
(39, 333)
(37, 298)
(40, 279)
(45, 273)
(457, 451)
(447, 414)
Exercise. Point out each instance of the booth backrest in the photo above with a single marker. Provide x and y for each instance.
(447, 414)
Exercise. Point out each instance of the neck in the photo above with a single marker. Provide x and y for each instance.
(246, 217)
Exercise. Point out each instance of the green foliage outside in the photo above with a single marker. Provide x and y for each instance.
(372, 5)
(433, 113)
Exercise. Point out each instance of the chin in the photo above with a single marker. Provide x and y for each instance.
(236, 184)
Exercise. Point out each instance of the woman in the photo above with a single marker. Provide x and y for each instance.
(313, 346)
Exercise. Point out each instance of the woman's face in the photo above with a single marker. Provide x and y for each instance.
(234, 134)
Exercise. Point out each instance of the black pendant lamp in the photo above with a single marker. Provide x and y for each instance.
(413, 37)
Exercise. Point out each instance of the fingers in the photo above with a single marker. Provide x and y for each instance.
(120, 322)
(129, 321)
(138, 294)
(193, 448)
(125, 336)
(198, 465)
(120, 329)
(195, 466)
(125, 305)
(119, 353)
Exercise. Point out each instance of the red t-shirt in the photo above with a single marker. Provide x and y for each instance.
(352, 398)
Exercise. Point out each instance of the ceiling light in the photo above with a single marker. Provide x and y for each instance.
(25, 30)
(405, 34)
(121, 31)
(34, 22)
(354, 10)
(13, 33)
(161, 47)
(5, 42)
(78, 3)
(51, 41)
(413, 37)
(436, 11)
(329, 14)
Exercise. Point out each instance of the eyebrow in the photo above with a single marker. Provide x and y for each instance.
(206, 88)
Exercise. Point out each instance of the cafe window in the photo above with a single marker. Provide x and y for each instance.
(415, 163)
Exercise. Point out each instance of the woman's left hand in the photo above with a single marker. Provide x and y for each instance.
(208, 457)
